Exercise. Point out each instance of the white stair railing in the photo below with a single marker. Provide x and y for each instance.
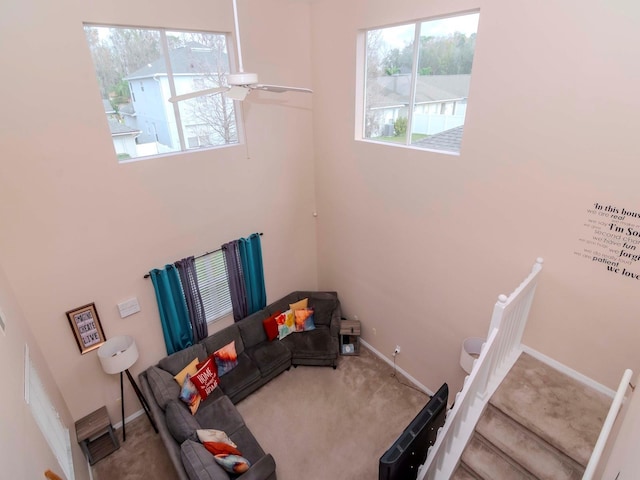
(618, 399)
(498, 354)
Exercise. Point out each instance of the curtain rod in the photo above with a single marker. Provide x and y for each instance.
(202, 255)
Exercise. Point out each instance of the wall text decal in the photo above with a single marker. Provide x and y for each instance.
(612, 239)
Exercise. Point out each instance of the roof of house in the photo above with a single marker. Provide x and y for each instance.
(395, 89)
(192, 59)
(126, 109)
(118, 128)
(448, 140)
(106, 104)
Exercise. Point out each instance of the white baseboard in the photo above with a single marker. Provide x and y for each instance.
(131, 417)
(569, 371)
(403, 372)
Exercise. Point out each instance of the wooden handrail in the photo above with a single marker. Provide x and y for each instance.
(52, 476)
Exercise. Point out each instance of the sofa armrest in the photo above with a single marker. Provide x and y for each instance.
(263, 469)
(173, 449)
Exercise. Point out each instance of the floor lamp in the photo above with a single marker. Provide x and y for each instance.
(116, 356)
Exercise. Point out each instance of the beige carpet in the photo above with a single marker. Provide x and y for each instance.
(141, 457)
(318, 423)
(539, 424)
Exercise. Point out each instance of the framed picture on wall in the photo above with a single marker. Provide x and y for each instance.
(86, 327)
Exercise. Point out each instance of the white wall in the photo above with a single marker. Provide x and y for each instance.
(79, 227)
(419, 244)
(25, 453)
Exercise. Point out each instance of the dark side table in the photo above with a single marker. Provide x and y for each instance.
(350, 337)
(96, 436)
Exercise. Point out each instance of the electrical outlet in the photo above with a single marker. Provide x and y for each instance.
(355, 317)
(374, 331)
(396, 351)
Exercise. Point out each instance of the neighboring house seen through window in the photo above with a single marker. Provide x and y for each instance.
(417, 79)
(139, 69)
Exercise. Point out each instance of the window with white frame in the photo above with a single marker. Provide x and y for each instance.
(417, 79)
(47, 418)
(139, 69)
(211, 271)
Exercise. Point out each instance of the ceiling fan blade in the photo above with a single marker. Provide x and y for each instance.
(198, 93)
(279, 88)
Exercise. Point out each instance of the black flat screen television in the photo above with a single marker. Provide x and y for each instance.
(409, 451)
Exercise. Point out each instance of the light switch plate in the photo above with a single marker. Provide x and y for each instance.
(129, 307)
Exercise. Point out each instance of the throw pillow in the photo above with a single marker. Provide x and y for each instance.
(213, 435)
(190, 369)
(226, 358)
(304, 303)
(206, 378)
(304, 320)
(271, 326)
(233, 463)
(218, 448)
(189, 394)
(286, 324)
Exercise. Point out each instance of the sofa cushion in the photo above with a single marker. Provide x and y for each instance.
(181, 424)
(206, 378)
(226, 358)
(242, 376)
(199, 463)
(304, 320)
(189, 394)
(247, 444)
(251, 328)
(316, 343)
(220, 414)
(286, 324)
(163, 386)
(213, 435)
(304, 303)
(216, 448)
(223, 337)
(234, 464)
(323, 309)
(174, 363)
(190, 369)
(271, 326)
(268, 356)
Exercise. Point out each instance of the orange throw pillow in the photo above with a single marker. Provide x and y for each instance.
(220, 447)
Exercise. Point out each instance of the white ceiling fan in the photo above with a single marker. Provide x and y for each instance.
(240, 83)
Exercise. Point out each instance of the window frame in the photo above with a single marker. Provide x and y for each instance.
(361, 82)
(178, 116)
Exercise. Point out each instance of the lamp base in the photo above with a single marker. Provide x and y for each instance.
(141, 399)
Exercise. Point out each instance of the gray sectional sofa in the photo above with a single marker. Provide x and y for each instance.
(259, 361)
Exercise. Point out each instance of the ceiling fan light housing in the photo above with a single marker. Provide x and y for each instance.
(237, 93)
(242, 78)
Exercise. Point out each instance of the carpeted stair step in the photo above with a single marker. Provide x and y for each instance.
(562, 411)
(527, 449)
(463, 473)
(488, 463)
